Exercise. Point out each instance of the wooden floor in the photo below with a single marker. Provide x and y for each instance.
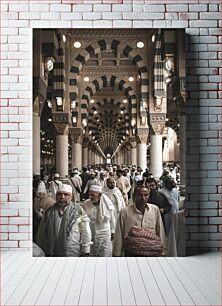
(110, 281)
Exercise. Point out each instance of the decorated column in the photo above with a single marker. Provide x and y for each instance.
(182, 134)
(61, 123)
(36, 143)
(85, 152)
(76, 135)
(142, 136)
(156, 149)
(133, 150)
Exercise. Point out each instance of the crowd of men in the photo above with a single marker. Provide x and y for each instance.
(104, 211)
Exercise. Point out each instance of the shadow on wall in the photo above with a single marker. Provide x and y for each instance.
(193, 147)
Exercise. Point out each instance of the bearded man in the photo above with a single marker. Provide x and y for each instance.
(64, 230)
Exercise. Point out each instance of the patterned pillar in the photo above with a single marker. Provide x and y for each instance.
(142, 136)
(156, 152)
(62, 156)
(133, 143)
(76, 135)
(85, 152)
(36, 143)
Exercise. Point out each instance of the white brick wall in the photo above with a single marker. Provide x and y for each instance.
(201, 19)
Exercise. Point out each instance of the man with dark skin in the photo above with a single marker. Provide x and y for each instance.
(157, 198)
(140, 214)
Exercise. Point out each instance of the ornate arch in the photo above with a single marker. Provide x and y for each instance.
(108, 126)
(102, 82)
(98, 47)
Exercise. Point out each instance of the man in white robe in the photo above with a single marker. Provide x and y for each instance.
(54, 185)
(114, 194)
(100, 211)
(76, 183)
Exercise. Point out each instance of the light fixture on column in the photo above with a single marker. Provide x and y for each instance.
(48, 63)
(84, 122)
(143, 120)
(64, 38)
(74, 118)
(153, 38)
(59, 104)
(169, 63)
(133, 122)
(74, 104)
(49, 103)
(158, 104)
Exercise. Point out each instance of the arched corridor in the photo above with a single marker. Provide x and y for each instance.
(115, 94)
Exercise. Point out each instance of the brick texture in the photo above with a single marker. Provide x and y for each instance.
(201, 20)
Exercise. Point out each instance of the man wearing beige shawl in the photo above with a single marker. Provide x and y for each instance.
(140, 215)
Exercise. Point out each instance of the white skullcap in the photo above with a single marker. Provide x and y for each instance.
(96, 188)
(75, 171)
(41, 188)
(65, 188)
(56, 175)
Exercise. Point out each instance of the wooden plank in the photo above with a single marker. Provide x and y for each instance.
(22, 287)
(178, 288)
(113, 286)
(139, 288)
(208, 292)
(213, 260)
(73, 293)
(126, 288)
(6, 255)
(39, 282)
(10, 261)
(213, 279)
(165, 287)
(61, 291)
(13, 270)
(9, 287)
(187, 282)
(152, 287)
(48, 290)
(86, 294)
(100, 284)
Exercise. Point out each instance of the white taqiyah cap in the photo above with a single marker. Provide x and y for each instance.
(65, 188)
(96, 188)
(56, 175)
